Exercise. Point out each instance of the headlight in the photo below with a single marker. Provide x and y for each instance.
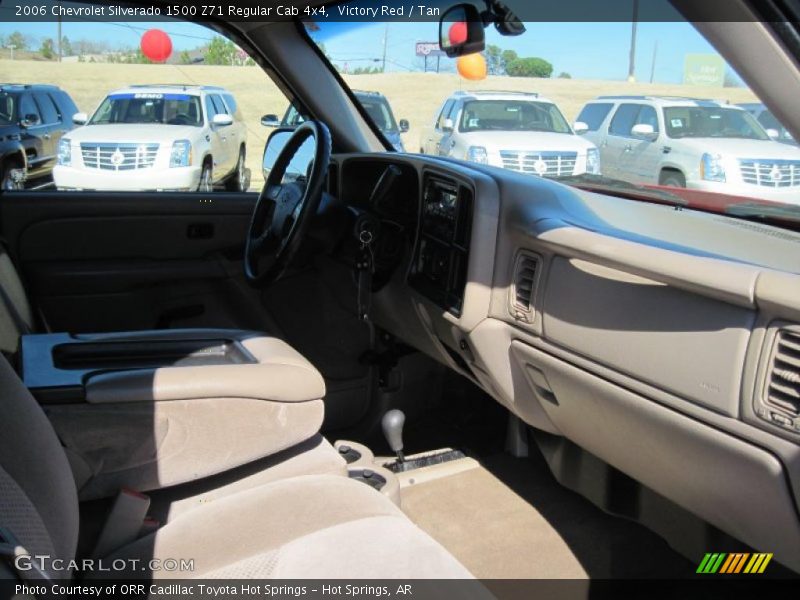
(711, 168)
(477, 154)
(593, 161)
(64, 152)
(181, 154)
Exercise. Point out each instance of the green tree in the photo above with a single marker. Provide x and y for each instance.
(220, 52)
(185, 58)
(494, 60)
(18, 40)
(508, 56)
(66, 47)
(47, 50)
(529, 67)
(564, 75)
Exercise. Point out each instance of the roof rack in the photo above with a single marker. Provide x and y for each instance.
(185, 86)
(623, 97)
(369, 92)
(516, 92)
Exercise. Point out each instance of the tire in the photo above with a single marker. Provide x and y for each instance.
(672, 179)
(206, 179)
(235, 182)
(7, 183)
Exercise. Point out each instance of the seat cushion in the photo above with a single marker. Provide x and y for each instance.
(316, 526)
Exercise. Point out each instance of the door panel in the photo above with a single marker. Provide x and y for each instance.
(109, 262)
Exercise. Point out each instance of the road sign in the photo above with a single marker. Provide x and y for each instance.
(429, 49)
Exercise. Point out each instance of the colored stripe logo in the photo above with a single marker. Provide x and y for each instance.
(734, 563)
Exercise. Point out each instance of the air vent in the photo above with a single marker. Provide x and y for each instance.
(783, 389)
(523, 288)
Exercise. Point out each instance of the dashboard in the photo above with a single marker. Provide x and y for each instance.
(657, 341)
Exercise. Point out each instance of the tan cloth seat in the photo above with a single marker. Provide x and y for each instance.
(314, 526)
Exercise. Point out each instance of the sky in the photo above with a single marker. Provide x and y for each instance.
(584, 50)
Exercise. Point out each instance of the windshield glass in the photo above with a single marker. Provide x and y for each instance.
(512, 115)
(379, 111)
(6, 108)
(166, 109)
(714, 122)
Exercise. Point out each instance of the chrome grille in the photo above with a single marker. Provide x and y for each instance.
(545, 163)
(118, 157)
(770, 173)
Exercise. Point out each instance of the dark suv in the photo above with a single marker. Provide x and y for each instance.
(377, 107)
(32, 120)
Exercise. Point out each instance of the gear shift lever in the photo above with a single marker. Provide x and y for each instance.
(392, 424)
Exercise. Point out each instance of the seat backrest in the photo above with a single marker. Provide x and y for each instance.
(38, 499)
(16, 316)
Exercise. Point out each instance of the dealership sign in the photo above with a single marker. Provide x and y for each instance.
(429, 49)
(704, 69)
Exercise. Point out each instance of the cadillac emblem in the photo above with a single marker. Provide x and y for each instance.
(117, 158)
(775, 174)
(540, 167)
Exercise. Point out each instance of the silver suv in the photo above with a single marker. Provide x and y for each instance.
(519, 131)
(687, 142)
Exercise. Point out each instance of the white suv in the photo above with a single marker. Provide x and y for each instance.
(156, 137)
(686, 142)
(519, 131)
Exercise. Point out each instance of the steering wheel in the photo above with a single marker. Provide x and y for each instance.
(284, 209)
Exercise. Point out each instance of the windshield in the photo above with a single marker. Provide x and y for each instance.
(166, 109)
(512, 115)
(379, 111)
(712, 122)
(7, 105)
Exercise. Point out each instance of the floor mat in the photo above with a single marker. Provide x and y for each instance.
(509, 518)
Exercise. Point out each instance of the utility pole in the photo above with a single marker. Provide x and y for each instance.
(632, 59)
(653, 65)
(385, 43)
(59, 36)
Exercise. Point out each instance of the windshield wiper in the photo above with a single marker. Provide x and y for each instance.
(617, 187)
(765, 212)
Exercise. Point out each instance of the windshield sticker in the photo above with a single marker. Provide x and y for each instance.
(677, 122)
(151, 96)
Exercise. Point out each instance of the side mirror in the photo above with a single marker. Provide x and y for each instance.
(30, 120)
(644, 131)
(461, 31)
(580, 127)
(222, 120)
(300, 162)
(774, 134)
(270, 121)
(448, 125)
(404, 125)
(80, 118)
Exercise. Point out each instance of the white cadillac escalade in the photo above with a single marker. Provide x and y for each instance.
(156, 137)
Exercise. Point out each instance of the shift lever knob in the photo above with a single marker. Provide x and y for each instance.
(392, 424)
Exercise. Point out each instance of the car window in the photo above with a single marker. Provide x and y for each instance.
(219, 105)
(28, 107)
(47, 108)
(7, 108)
(624, 119)
(712, 121)
(512, 115)
(594, 114)
(148, 107)
(380, 113)
(647, 116)
(444, 114)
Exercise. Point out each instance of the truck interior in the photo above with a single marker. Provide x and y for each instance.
(401, 365)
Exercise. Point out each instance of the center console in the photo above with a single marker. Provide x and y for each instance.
(439, 269)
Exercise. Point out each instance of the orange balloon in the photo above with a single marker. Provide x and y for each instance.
(472, 66)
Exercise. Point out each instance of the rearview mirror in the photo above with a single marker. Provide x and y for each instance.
(222, 120)
(644, 131)
(30, 120)
(461, 31)
(580, 127)
(300, 163)
(404, 126)
(270, 121)
(447, 125)
(80, 118)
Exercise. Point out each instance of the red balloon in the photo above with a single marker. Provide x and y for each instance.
(156, 45)
(457, 34)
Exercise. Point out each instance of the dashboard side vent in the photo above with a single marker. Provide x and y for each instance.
(523, 287)
(783, 383)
